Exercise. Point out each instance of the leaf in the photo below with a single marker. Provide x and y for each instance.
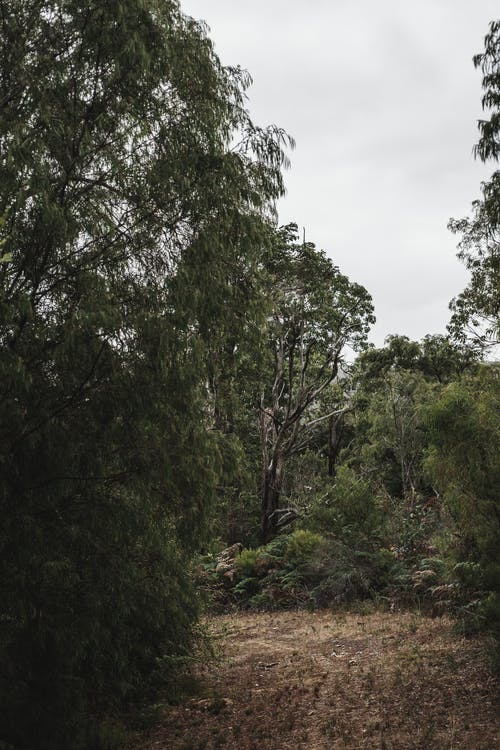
(7, 258)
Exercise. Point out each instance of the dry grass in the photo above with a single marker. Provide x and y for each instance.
(381, 681)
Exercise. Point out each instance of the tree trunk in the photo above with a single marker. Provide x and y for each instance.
(271, 490)
(335, 429)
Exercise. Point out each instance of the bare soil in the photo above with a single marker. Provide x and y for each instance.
(383, 681)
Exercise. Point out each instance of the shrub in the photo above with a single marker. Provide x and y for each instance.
(348, 509)
(305, 568)
(246, 562)
(463, 461)
(301, 546)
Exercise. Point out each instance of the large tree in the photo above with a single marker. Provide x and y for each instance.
(127, 211)
(316, 313)
(476, 311)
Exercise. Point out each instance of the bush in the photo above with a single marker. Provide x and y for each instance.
(247, 562)
(305, 568)
(337, 573)
(301, 546)
(347, 508)
(463, 461)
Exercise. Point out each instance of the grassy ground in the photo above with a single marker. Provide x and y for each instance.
(383, 681)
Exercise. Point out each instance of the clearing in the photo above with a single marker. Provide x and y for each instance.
(383, 681)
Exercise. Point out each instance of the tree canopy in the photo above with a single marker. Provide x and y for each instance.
(134, 188)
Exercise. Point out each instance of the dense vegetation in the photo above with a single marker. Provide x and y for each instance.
(175, 378)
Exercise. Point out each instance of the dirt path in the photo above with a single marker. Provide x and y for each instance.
(322, 680)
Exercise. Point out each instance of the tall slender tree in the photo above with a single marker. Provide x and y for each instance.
(317, 312)
(476, 310)
(127, 209)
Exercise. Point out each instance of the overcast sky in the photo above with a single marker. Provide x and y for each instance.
(383, 100)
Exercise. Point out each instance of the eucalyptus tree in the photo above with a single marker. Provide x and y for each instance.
(134, 189)
(476, 310)
(464, 424)
(316, 313)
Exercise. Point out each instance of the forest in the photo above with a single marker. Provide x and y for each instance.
(193, 420)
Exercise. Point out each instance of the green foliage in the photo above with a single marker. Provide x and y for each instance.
(131, 227)
(235, 517)
(476, 311)
(315, 313)
(301, 546)
(339, 573)
(348, 508)
(307, 569)
(489, 62)
(247, 563)
(464, 462)
(390, 431)
(414, 527)
(436, 357)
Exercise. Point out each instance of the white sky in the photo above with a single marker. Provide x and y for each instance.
(383, 100)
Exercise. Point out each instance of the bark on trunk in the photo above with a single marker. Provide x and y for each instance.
(334, 437)
(271, 490)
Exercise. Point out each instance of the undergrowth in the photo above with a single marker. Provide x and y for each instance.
(306, 569)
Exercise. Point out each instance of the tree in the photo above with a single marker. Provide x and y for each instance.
(395, 432)
(437, 357)
(443, 359)
(128, 211)
(463, 460)
(476, 311)
(316, 312)
(392, 384)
